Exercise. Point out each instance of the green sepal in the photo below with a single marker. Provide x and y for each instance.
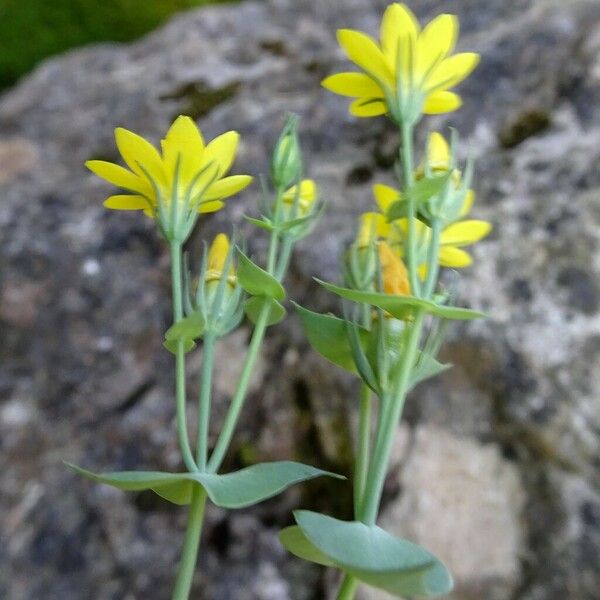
(328, 335)
(420, 192)
(263, 223)
(187, 329)
(256, 281)
(426, 367)
(368, 553)
(402, 307)
(239, 489)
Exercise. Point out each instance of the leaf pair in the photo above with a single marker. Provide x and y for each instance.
(328, 335)
(422, 191)
(232, 490)
(368, 553)
(263, 288)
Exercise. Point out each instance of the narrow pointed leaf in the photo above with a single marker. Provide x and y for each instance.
(402, 307)
(256, 281)
(426, 367)
(262, 223)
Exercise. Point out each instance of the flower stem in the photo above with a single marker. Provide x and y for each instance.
(204, 399)
(385, 435)
(407, 130)
(185, 573)
(348, 588)
(240, 393)
(362, 454)
(432, 259)
(180, 395)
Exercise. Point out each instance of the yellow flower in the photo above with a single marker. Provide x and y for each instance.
(393, 272)
(188, 171)
(411, 71)
(452, 240)
(306, 196)
(372, 227)
(217, 257)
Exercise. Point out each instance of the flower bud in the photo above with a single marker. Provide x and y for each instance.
(286, 163)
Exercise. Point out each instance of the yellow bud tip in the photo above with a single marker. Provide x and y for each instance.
(393, 272)
(217, 256)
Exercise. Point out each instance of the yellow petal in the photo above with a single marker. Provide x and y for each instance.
(352, 84)
(372, 225)
(398, 22)
(183, 140)
(385, 196)
(362, 50)
(119, 176)
(366, 107)
(441, 102)
(228, 186)
(140, 155)
(308, 192)
(467, 203)
(127, 202)
(438, 152)
(435, 42)
(454, 257)
(212, 206)
(464, 233)
(451, 71)
(217, 159)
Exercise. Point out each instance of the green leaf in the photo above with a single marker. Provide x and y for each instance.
(403, 307)
(328, 335)
(421, 191)
(233, 490)
(187, 329)
(294, 541)
(372, 555)
(256, 281)
(426, 367)
(254, 307)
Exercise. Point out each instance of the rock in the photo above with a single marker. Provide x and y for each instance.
(84, 303)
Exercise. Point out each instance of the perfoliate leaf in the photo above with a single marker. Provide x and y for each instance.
(187, 329)
(328, 335)
(255, 305)
(299, 545)
(426, 367)
(403, 307)
(421, 191)
(233, 490)
(370, 554)
(256, 281)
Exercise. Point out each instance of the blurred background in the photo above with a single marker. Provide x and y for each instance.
(496, 466)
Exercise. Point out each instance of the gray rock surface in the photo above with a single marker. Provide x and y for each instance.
(84, 303)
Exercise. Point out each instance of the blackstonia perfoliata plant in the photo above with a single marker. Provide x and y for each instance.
(174, 188)
(395, 310)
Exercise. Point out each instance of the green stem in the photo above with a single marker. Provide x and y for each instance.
(180, 395)
(274, 243)
(189, 556)
(204, 399)
(240, 393)
(385, 436)
(432, 259)
(348, 588)
(362, 454)
(407, 169)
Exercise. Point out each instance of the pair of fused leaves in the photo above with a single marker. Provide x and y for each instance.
(422, 191)
(329, 336)
(264, 290)
(233, 490)
(368, 553)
